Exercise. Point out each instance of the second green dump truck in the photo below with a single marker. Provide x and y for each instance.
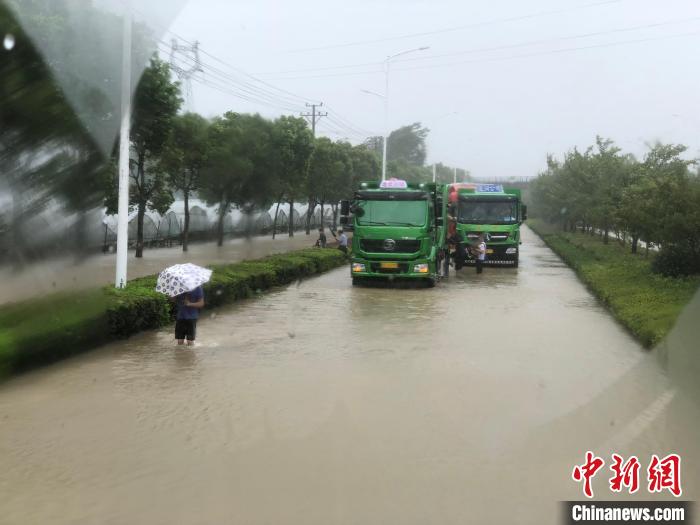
(494, 211)
(399, 230)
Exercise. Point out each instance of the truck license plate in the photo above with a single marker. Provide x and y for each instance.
(489, 250)
(391, 265)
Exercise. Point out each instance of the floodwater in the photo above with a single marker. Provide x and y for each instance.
(323, 403)
(67, 273)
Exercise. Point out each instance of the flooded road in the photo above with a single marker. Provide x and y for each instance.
(323, 403)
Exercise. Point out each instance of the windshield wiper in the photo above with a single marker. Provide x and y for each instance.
(403, 224)
(374, 223)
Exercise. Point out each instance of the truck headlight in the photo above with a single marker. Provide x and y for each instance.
(421, 268)
(511, 251)
(358, 267)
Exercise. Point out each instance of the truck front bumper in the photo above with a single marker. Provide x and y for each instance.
(499, 254)
(412, 269)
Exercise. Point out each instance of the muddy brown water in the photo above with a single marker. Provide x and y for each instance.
(322, 403)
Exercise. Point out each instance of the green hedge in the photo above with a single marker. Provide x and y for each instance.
(646, 303)
(44, 330)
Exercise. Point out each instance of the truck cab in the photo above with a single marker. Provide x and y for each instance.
(399, 230)
(494, 211)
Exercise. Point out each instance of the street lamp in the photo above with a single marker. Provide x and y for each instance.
(123, 201)
(385, 97)
(387, 63)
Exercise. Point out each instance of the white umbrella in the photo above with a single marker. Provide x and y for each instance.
(182, 278)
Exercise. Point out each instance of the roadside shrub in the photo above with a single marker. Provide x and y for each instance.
(676, 260)
(135, 310)
(50, 328)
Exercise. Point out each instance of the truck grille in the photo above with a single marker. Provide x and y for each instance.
(492, 236)
(400, 246)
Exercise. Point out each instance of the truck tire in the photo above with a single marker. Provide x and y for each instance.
(356, 281)
(430, 282)
(516, 260)
(446, 266)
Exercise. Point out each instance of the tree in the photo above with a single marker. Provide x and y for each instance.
(292, 144)
(45, 149)
(375, 145)
(156, 102)
(401, 169)
(77, 40)
(238, 170)
(408, 144)
(366, 165)
(184, 157)
(330, 173)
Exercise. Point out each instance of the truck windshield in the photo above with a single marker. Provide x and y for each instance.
(488, 212)
(393, 213)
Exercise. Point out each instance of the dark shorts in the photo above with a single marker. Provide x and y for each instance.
(185, 329)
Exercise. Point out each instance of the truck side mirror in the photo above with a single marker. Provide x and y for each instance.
(344, 208)
(523, 212)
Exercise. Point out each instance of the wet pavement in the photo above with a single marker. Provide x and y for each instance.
(326, 403)
(99, 270)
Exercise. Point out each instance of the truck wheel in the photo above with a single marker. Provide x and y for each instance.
(430, 282)
(446, 266)
(356, 281)
(516, 260)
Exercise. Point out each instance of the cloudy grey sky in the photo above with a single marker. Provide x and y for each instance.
(504, 82)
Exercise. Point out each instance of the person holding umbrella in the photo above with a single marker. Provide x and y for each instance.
(188, 305)
(183, 284)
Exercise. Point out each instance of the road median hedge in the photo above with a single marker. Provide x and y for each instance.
(646, 303)
(57, 326)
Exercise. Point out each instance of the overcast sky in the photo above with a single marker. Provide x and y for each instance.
(509, 91)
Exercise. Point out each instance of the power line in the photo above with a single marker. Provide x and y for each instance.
(300, 99)
(512, 57)
(495, 48)
(458, 28)
(229, 84)
(555, 51)
(352, 129)
(243, 88)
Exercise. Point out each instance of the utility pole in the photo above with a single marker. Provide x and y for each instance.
(190, 56)
(454, 177)
(434, 172)
(124, 151)
(315, 115)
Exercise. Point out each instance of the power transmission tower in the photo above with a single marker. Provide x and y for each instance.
(189, 56)
(315, 115)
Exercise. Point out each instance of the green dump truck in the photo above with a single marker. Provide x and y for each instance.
(399, 230)
(494, 211)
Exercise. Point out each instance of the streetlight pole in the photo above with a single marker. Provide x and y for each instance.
(387, 63)
(123, 204)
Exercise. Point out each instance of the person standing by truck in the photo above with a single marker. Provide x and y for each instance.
(480, 253)
(342, 242)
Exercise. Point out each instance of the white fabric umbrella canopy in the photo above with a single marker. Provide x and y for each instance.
(181, 278)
